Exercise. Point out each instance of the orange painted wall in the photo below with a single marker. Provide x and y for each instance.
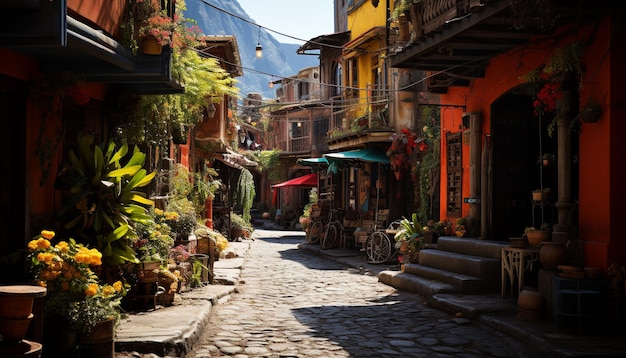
(106, 14)
(602, 171)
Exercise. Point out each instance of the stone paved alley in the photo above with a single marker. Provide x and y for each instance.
(292, 303)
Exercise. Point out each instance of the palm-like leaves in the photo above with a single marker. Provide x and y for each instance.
(105, 199)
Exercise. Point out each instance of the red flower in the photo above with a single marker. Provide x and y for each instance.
(547, 97)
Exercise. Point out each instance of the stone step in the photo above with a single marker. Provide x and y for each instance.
(483, 267)
(412, 283)
(461, 282)
(471, 246)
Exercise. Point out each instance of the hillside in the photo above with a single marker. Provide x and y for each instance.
(278, 58)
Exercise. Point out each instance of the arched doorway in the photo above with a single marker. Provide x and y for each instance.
(518, 140)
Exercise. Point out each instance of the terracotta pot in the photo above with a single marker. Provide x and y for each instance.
(536, 237)
(530, 299)
(151, 46)
(552, 254)
(404, 247)
(100, 342)
(16, 301)
(14, 330)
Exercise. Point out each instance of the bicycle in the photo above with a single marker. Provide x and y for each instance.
(334, 231)
(315, 231)
(380, 246)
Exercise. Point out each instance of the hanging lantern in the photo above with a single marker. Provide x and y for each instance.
(210, 110)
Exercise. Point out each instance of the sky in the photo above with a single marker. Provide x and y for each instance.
(302, 19)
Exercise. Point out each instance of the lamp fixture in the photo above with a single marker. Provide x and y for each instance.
(259, 49)
(210, 110)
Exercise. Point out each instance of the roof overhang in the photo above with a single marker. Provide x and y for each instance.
(226, 49)
(62, 43)
(354, 47)
(460, 49)
(336, 40)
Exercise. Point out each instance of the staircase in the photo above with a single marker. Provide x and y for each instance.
(456, 266)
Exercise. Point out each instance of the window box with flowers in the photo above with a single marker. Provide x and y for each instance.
(77, 303)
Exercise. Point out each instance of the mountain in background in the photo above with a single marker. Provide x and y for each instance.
(279, 59)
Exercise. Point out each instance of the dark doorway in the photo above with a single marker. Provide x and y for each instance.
(518, 139)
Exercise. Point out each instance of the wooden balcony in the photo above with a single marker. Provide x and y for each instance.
(359, 120)
(455, 39)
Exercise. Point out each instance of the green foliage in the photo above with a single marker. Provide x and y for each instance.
(239, 222)
(186, 221)
(429, 163)
(103, 200)
(153, 239)
(269, 161)
(204, 187)
(244, 194)
(152, 117)
(409, 229)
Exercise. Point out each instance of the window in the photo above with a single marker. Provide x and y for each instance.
(455, 171)
(303, 90)
(336, 80)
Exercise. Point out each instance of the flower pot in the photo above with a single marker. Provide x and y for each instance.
(100, 342)
(536, 237)
(14, 329)
(552, 254)
(539, 195)
(404, 247)
(16, 301)
(150, 46)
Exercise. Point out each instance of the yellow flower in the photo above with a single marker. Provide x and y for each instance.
(45, 257)
(108, 291)
(39, 243)
(117, 285)
(47, 234)
(63, 246)
(92, 289)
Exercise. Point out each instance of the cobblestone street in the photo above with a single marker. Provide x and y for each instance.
(292, 303)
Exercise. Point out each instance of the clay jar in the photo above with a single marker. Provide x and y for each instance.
(530, 299)
(552, 254)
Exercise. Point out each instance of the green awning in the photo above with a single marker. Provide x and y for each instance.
(369, 155)
(313, 161)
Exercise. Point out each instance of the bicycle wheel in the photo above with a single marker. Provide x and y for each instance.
(378, 248)
(314, 233)
(331, 238)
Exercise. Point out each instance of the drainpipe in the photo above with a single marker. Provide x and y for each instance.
(474, 121)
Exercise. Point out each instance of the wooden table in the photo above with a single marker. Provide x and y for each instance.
(516, 261)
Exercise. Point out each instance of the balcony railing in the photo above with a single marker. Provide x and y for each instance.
(353, 115)
(431, 15)
(301, 144)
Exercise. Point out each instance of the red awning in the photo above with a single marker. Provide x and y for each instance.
(305, 181)
(309, 180)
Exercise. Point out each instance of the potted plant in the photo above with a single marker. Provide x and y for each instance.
(76, 299)
(541, 194)
(591, 112)
(103, 199)
(459, 229)
(537, 236)
(239, 227)
(546, 159)
(409, 238)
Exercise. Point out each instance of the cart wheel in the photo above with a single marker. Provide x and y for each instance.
(314, 233)
(378, 248)
(332, 236)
